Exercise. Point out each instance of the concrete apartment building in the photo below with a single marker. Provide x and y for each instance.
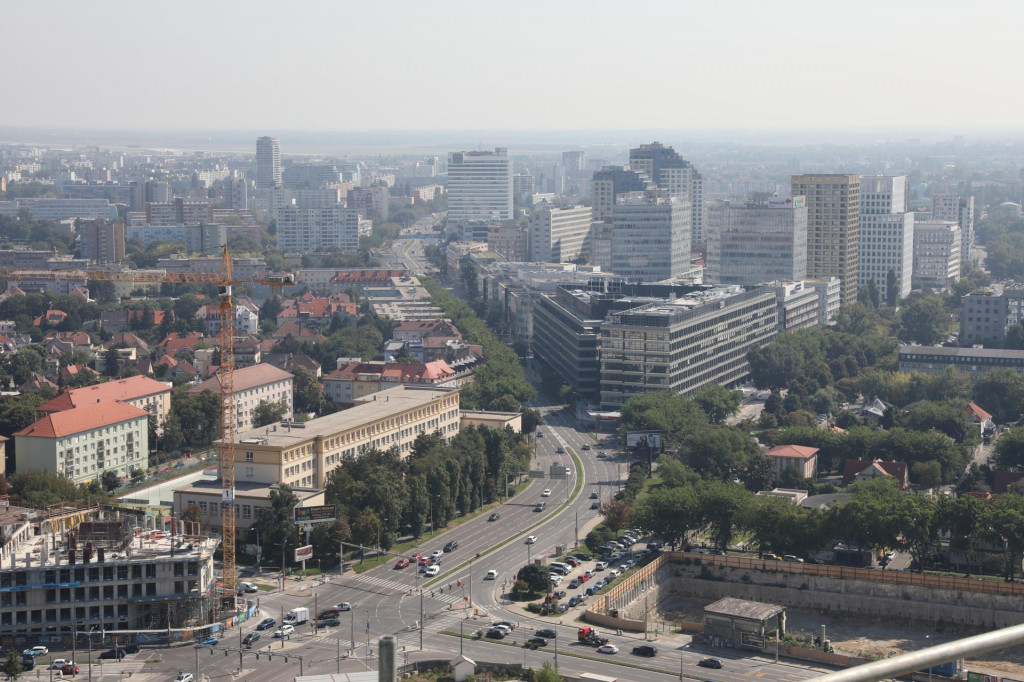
(109, 580)
(312, 229)
(758, 241)
(510, 241)
(370, 201)
(679, 179)
(936, 252)
(974, 362)
(206, 239)
(139, 391)
(886, 234)
(560, 235)
(987, 314)
(959, 209)
(102, 242)
(61, 209)
(799, 306)
(684, 343)
(179, 212)
(254, 385)
(833, 227)
(85, 442)
(268, 163)
(479, 186)
(650, 239)
(303, 455)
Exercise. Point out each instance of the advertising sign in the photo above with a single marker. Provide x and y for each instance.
(752, 639)
(320, 514)
(636, 439)
(303, 553)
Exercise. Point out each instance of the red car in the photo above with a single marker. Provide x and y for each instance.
(424, 561)
(415, 556)
(572, 562)
(584, 577)
(402, 563)
(70, 669)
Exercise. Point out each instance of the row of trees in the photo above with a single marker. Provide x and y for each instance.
(877, 516)
(501, 374)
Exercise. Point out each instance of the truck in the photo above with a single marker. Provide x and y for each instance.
(297, 616)
(590, 636)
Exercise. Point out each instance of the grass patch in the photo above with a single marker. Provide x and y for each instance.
(593, 436)
(572, 498)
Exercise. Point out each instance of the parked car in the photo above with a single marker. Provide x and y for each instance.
(556, 579)
(592, 590)
(328, 623)
(587, 575)
(284, 631)
(546, 633)
(601, 565)
(582, 556)
(574, 583)
(607, 649)
(57, 663)
(494, 517)
(39, 651)
(559, 594)
(250, 638)
(248, 587)
(432, 570)
(645, 650)
(613, 574)
(131, 648)
(797, 560)
(266, 624)
(571, 561)
(715, 663)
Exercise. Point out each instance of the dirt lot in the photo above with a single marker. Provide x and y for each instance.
(859, 637)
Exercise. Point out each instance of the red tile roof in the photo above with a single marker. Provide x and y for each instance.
(86, 418)
(111, 391)
(852, 467)
(792, 451)
(246, 378)
(50, 317)
(977, 414)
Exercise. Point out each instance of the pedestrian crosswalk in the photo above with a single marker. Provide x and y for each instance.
(390, 585)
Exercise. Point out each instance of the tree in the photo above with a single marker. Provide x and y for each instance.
(721, 503)
(1006, 529)
(668, 512)
(616, 515)
(760, 473)
(1001, 393)
(309, 392)
(718, 451)
(924, 320)
(718, 402)
(927, 474)
(892, 288)
(964, 518)
(1010, 449)
(675, 416)
(268, 412)
(12, 668)
(276, 523)
(546, 673)
(111, 481)
(1015, 337)
(537, 579)
(869, 295)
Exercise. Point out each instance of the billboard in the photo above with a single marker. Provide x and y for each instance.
(752, 639)
(303, 553)
(318, 514)
(636, 439)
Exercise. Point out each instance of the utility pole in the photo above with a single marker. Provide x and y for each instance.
(239, 645)
(352, 631)
(576, 531)
(197, 661)
(339, 650)
(421, 618)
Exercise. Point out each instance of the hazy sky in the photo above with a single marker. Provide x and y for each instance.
(515, 65)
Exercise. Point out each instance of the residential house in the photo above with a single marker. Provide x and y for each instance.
(175, 342)
(38, 383)
(72, 372)
(247, 317)
(127, 340)
(311, 311)
(51, 318)
(296, 330)
(254, 385)
(124, 320)
(875, 409)
(800, 458)
(247, 351)
(861, 470)
(289, 362)
(980, 418)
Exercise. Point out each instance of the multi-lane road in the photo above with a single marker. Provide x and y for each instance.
(389, 601)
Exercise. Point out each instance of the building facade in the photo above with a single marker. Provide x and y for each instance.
(509, 240)
(833, 228)
(650, 239)
(254, 385)
(959, 209)
(85, 442)
(102, 242)
(566, 336)
(886, 235)
(138, 391)
(678, 178)
(560, 235)
(974, 362)
(311, 229)
(610, 183)
(479, 186)
(936, 253)
(268, 163)
(758, 241)
(682, 344)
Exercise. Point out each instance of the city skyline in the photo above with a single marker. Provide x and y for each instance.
(793, 66)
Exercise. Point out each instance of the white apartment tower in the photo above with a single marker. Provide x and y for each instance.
(479, 186)
(937, 252)
(886, 235)
(309, 229)
(650, 239)
(757, 241)
(559, 235)
(960, 210)
(268, 163)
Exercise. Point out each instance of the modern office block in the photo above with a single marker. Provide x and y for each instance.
(886, 235)
(959, 209)
(268, 163)
(936, 253)
(612, 182)
(833, 227)
(650, 239)
(676, 176)
(479, 185)
(560, 235)
(754, 242)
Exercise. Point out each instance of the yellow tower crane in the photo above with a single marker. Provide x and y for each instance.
(228, 418)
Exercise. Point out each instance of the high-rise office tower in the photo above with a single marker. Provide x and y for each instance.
(833, 227)
(676, 176)
(559, 235)
(886, 235)
(236, 193)
(479, 186)
(268, 163)
(757, 241)
(961, 210)
(609, 184)
(650, 238)
(574, 161)
(937, 252)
